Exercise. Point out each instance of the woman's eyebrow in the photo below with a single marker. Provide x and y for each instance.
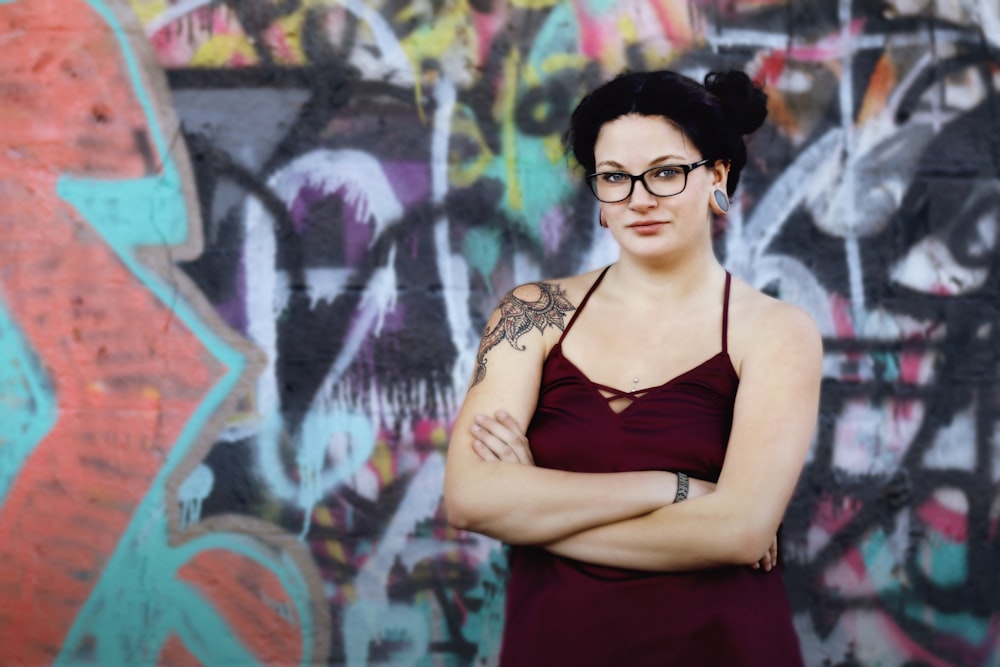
(663, 159)
(667, 159)
(609, 163)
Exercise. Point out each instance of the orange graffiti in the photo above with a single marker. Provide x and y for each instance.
(260, 611)
(126, 373)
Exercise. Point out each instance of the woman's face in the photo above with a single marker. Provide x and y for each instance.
(645, 225)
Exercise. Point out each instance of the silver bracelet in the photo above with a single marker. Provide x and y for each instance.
(682, 487)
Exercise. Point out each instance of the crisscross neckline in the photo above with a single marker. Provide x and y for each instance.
(611, 394)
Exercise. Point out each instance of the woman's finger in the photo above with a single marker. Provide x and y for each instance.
(488, 447)
(483, 452)
(506, 444)
(501, 449)
(770, 559)
(520, 439)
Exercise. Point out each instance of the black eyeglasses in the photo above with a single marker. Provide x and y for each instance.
(665, 180)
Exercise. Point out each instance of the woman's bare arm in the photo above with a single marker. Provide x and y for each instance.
(502, 438)
(523, 504)
(774, 419)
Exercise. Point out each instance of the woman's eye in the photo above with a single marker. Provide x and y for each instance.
(667, 173)
(613, 177)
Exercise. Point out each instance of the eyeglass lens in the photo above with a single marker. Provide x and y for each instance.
(661, 181)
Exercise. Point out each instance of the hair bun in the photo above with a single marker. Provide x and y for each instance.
(745, 103)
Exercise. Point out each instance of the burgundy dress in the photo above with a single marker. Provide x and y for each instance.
(565, 612)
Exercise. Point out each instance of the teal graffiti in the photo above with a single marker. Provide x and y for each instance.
(350, 436)
(541, 180)
(401, 627)
(27, 408)
(947, 566)
(137, 602)
(598, 7)
(484, 624)
(481, 249)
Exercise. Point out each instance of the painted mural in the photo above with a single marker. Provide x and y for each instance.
(247, 248)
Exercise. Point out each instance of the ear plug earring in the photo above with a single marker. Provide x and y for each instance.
(722, 201)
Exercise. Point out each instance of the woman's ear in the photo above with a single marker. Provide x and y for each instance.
(720, 174)
(719, 201)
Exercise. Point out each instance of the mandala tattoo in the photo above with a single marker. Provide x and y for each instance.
(517, 317)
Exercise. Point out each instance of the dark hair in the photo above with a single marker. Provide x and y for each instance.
(714, 116)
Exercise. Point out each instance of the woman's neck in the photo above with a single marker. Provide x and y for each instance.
(675, 282)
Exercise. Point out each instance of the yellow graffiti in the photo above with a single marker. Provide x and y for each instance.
(450, 33)
(147, 10)
(336, 551)
(627, 30)
(383, 461)
(463, 172)
(439, 437)
(560, 61)
(291, 27)
(508, 102)
(534, 4)
(533, 76)
(322, 516)
(553, 146)
(452, 29)
(223, 50)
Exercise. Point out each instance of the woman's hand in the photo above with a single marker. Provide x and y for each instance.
(770, 559)
(500, 438)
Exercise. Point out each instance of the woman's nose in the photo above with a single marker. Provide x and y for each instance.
(641, 196)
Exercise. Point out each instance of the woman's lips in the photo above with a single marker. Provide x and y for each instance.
(647, 227)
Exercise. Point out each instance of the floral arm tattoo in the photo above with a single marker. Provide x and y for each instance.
(517, 317)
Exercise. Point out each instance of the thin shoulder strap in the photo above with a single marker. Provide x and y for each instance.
(725, 314)
(586, 298)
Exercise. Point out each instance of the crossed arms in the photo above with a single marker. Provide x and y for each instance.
(629, 519)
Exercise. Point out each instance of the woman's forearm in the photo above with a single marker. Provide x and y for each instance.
(687, 536)
(521, 504)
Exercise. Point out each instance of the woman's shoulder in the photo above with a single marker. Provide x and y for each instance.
(530, 317)
(565, 292)
(544, 306)
(761, 321)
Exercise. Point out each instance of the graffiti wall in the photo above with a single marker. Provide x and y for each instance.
(247, 248)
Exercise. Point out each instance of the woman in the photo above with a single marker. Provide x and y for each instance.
(669, 408)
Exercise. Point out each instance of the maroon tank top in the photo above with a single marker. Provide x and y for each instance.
(564, 612)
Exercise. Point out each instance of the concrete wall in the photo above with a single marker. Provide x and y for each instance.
(246, 249)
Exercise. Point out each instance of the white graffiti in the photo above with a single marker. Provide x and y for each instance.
(372, 616)
(192, 493)
(359, 178)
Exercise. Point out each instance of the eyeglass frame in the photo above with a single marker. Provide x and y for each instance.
(688, 168)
